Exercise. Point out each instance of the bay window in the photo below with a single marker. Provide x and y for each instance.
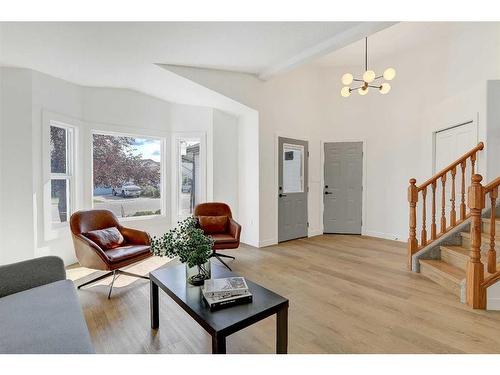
(127, 174)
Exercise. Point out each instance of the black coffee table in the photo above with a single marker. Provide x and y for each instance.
(221, 323)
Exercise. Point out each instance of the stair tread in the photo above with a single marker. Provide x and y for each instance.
(461, 250)
(447, 270)
(483, 235)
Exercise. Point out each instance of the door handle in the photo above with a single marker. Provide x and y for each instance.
(282, 195)
(327, 192)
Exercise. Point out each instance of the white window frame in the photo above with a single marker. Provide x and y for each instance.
(176, 168)
(55, 230)
(163, 163)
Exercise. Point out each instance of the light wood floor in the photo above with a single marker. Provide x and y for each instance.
(348, 294)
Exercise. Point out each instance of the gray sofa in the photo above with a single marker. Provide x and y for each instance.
(39, 310)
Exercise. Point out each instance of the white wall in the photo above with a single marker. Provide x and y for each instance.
(30, 96)
(17, 215)
(225, 159)
(441, 82)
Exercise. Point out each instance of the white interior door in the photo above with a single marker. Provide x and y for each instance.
(452, 143)
(449, 145)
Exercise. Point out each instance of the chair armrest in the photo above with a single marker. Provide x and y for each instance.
(234, 229)
(29, 274)
(136, 237)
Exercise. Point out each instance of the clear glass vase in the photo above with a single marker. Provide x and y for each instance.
(198, 274)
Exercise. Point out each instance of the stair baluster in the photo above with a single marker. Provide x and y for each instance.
(423, 235)
(433, 224)
(492, 254)
(462, 200)
(453, 213)
(443, 203)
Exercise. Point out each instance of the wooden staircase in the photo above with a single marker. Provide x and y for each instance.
(459, 268)
(450, 270)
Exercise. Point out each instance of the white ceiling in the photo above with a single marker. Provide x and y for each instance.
(396, 39)
(122, 54)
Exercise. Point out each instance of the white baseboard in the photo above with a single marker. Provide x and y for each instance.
(269, 242)
(387, 236)
(314, 232)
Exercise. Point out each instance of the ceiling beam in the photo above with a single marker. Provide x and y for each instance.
(321, 49)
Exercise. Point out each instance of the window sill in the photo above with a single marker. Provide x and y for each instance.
(139, 218)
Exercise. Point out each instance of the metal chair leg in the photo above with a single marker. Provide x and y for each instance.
(95, 280)
(224, 263)
(112, 282)
(132, 274)
(225, 256)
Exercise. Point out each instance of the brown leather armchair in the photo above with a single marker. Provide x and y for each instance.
(217, 221)
(102, 243)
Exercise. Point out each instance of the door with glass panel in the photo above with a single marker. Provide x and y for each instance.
(292, 189)
(189, 188)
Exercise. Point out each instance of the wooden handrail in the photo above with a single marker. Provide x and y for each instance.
(446, 178)
(454, 165)
(493, 184)
(491, 279)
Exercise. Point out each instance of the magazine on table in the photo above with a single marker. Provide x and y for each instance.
(225, 287)
(219, 303)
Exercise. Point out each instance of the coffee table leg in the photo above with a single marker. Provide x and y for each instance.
(155, 309)
(218, 344)
(282, 331)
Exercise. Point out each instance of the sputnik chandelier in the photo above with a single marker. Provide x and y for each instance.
(369, 80)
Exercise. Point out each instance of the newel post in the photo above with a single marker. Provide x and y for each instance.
(476, 294)
(412, 238)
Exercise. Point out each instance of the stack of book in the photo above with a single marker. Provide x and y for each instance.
(230, 291)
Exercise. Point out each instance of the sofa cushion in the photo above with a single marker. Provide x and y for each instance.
(44, 320)
(106, 239)
(126, 252)
(213, 224)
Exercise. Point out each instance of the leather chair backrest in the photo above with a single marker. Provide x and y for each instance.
(212, 209)
(87, 220)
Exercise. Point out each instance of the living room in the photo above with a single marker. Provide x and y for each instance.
(339, 178)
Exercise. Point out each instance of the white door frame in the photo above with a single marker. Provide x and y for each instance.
(364, 188)
(278, 135)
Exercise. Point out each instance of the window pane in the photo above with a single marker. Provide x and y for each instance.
(293, 156)
(59, 194)
(190, 186)
(127, 175)
(58, 150)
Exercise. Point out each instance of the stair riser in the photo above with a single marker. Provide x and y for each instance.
(435, 276)
(455, 259)
(485, 245)
(486, 227)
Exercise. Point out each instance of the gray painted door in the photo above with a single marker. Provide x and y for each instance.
(292, 189)
(343, 190)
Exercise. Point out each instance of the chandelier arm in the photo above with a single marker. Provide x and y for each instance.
(355, 88)
(357, 80)
(366, 54)
(375, 87)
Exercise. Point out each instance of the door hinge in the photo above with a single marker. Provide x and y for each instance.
(308, 224)
(307, 153)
